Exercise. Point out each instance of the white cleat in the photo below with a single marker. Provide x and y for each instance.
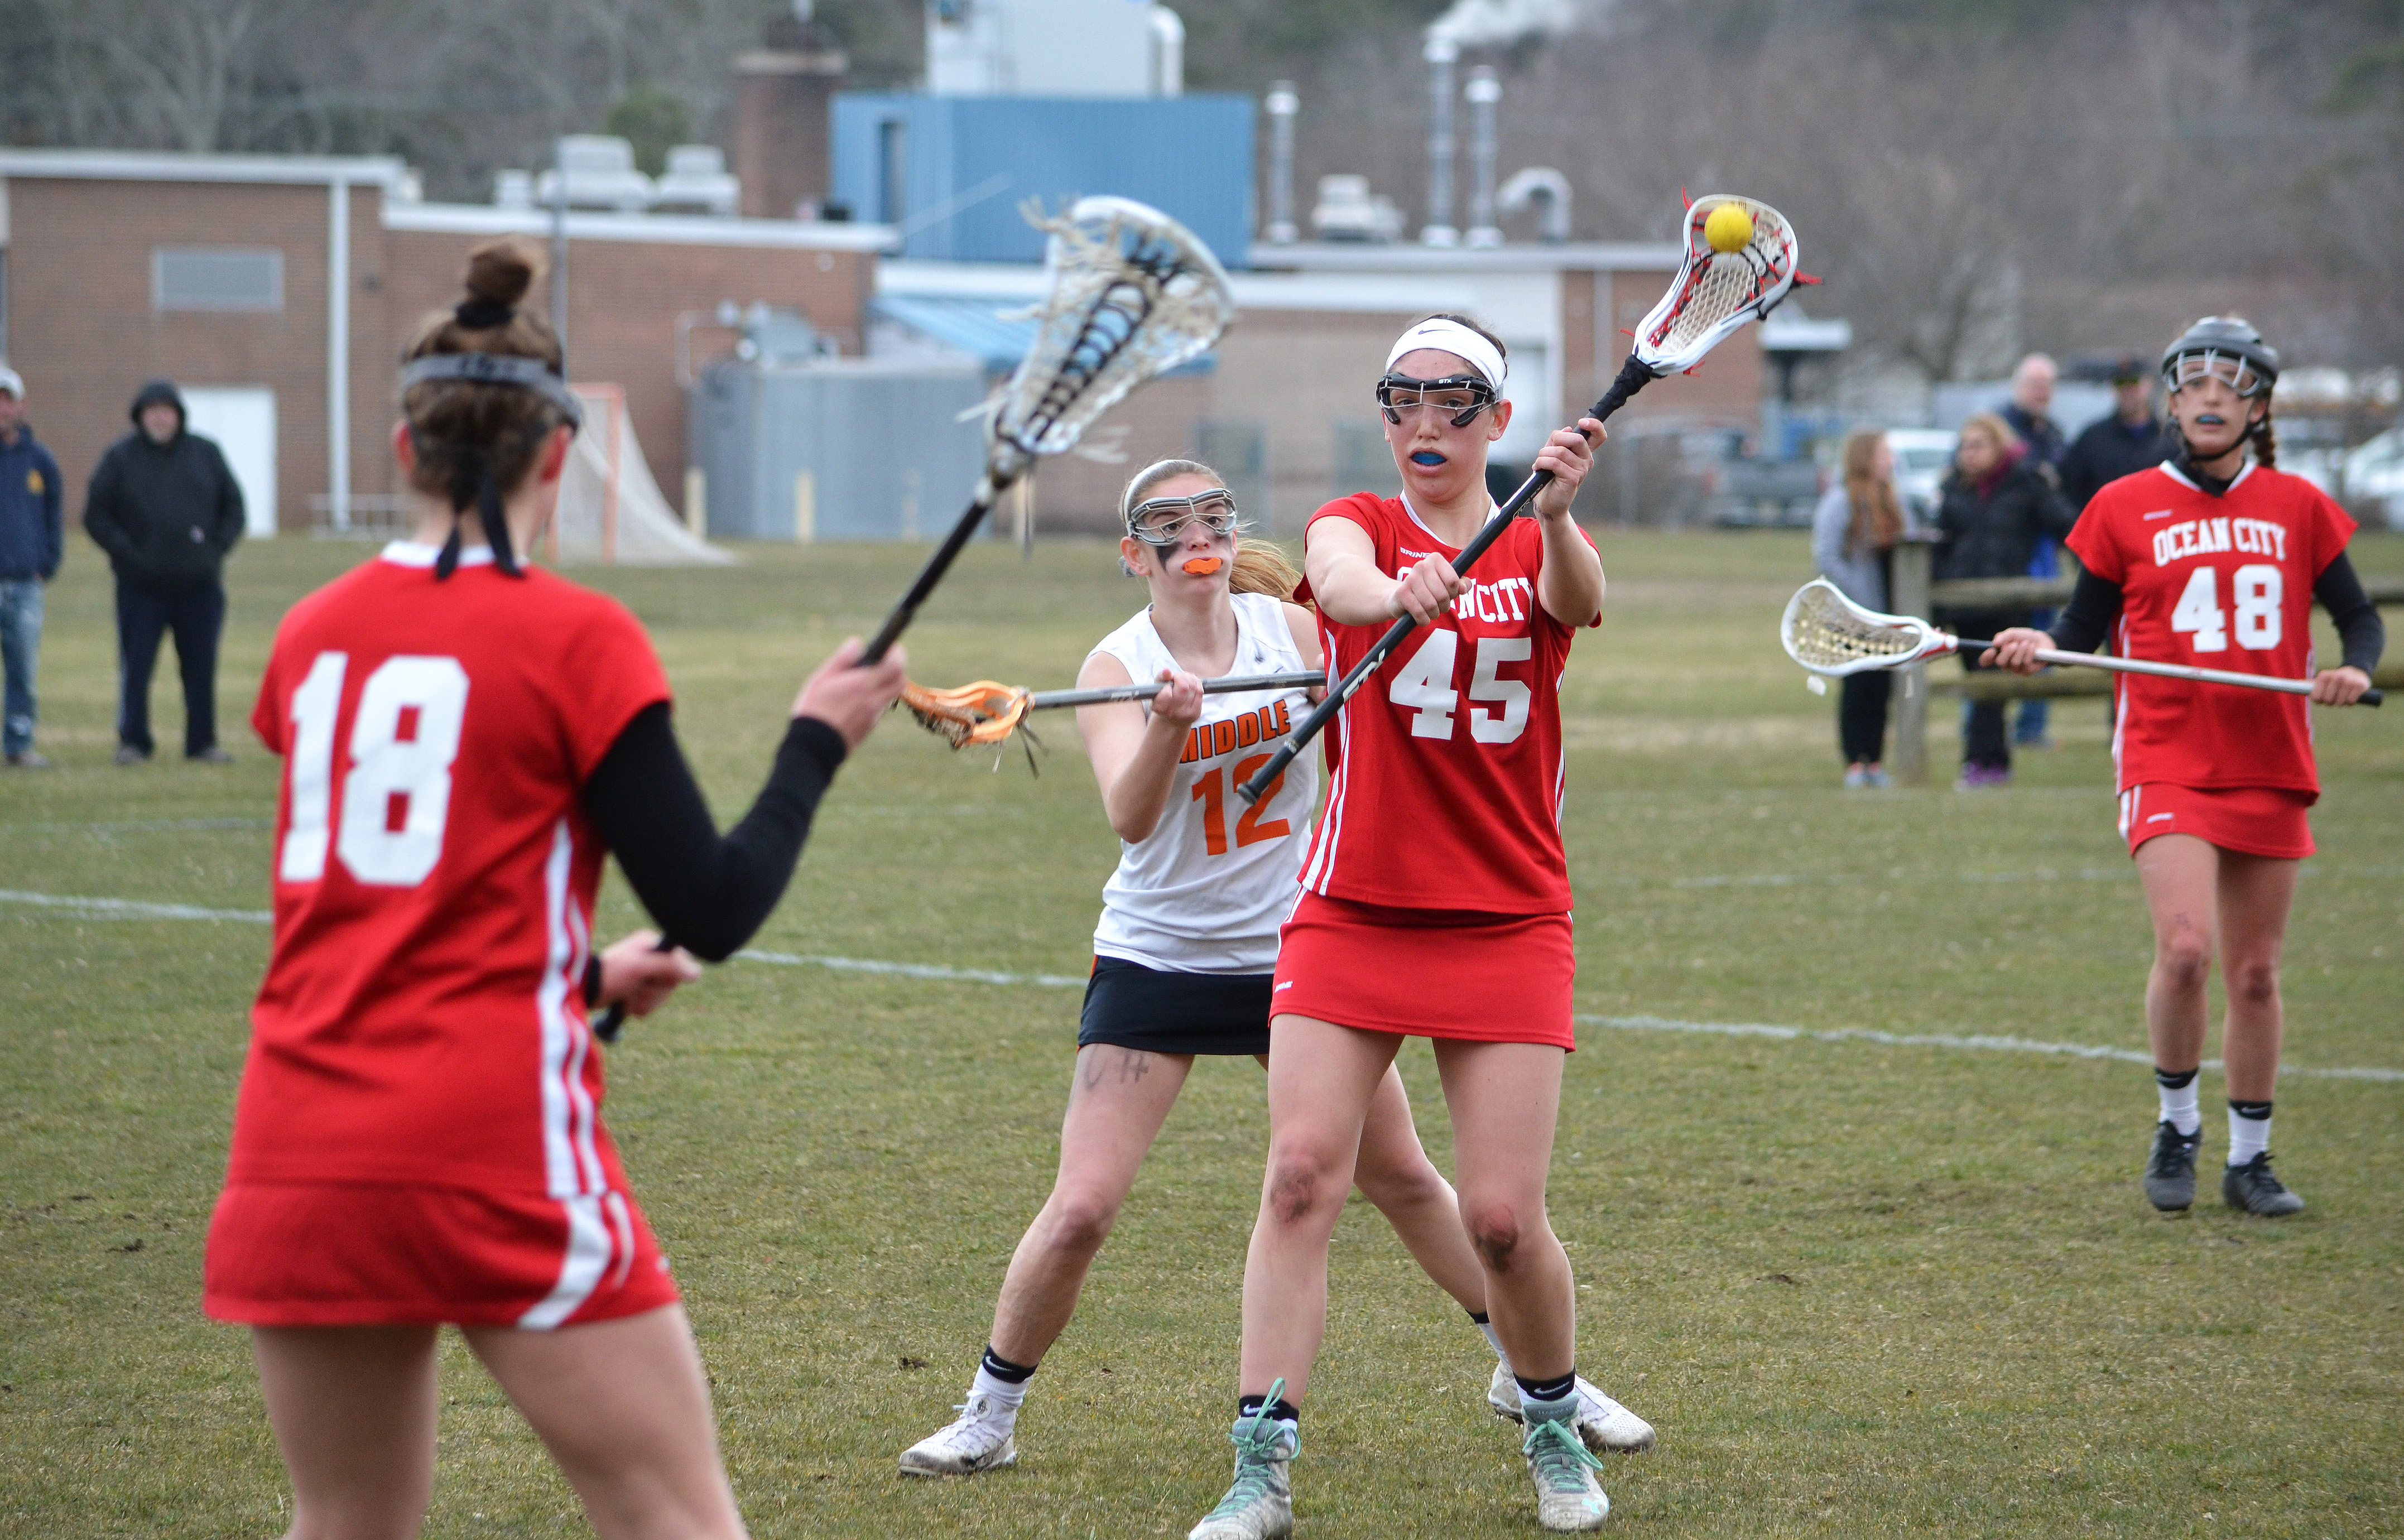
(1569, 1500)
(1603, 1423)
(1259, 1505)
(979, 1439)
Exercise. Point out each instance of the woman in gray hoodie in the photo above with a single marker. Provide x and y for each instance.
(1853, 535)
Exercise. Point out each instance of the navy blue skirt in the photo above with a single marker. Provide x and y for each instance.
(1132, 1006)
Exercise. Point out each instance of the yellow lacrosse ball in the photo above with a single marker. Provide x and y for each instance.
(1728, 227)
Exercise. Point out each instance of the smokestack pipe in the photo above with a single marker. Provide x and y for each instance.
(1283, 105)
(1484, 91)
(1438, 230)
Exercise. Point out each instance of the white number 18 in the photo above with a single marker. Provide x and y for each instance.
(397, 793)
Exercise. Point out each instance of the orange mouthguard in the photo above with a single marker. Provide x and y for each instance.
(1202, 566)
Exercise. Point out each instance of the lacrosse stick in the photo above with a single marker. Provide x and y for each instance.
(1713, 294)
(1132, 294)
(1832, 635)
(986, 712)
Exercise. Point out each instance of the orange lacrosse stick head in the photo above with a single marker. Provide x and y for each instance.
(982, 712)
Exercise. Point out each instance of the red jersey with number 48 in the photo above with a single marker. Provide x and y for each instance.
(2215, 582)
(1447, 788)
(422, 1019)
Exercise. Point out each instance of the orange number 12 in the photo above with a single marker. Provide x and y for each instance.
(1211, 791)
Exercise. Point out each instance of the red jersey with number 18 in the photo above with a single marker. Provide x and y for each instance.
(422, 1019)
(2220, 582)
(1448, 789)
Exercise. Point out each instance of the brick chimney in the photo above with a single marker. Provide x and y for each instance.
(782, 137)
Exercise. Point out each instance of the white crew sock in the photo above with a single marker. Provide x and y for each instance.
(2178, 1103)
(1493, 1340)
(2248, 1136)
(1001, 1395)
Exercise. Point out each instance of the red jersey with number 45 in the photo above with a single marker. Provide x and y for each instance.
(422, 1019)
(2215, 582)
(1447, 788)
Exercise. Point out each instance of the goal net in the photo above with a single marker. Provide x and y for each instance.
(611, 510)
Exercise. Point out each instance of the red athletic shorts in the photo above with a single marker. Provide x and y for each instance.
(1427, 973)
(354, 1254)
(2254, 820)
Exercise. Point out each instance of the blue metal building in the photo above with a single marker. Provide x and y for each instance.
(951, 172)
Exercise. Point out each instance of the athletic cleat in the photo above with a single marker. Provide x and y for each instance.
(1568, 1497)
(979, 1439)
(2254, 1189)
(1603, 1423)
(1259, 1506)
(2170, 1175)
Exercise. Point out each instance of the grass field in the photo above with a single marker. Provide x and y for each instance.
(1862, 1288)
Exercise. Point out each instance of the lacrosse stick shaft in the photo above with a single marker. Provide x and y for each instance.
(1633, 377)
(1047, 700)
(988, 492)
(1968, 645)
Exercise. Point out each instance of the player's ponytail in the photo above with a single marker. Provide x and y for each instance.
(1263, 569)
(476, 440)
(2266, 442)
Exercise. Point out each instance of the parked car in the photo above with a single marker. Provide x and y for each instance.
(1922, 458)
(2374, 476)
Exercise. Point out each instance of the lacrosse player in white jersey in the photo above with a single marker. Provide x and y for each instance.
(1187, 943)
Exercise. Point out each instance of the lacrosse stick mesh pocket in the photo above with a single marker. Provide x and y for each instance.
(982, 712)
(1713, 287)
(1826, 633)
(1133, 295)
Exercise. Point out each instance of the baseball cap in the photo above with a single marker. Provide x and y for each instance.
(11, 382)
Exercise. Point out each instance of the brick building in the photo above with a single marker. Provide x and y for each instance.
(299, 278)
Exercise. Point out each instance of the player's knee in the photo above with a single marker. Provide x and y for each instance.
(1400, 1186)
(1495, 1230)
(1297, 1184)
(1079, 1222)
(2254, 982)
(2184, 958)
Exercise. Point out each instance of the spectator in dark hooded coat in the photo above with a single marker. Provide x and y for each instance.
(1996, 504)
(167, 509)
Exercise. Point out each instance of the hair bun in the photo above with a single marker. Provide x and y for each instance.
(502, 270)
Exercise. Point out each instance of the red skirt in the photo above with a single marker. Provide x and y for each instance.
(355, 1254)
(1424, 972)
(2253, 820)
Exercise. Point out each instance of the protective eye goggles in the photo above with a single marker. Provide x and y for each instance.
(1166, 521)
(1459, 396)
(2238, 373)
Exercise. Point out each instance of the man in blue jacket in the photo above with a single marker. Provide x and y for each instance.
(166, 509)
(31, 544)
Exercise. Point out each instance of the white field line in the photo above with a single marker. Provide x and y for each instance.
(130, 909)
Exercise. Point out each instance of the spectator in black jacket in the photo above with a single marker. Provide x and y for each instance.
(166, 509)
(30, 542)
(2122, 445)
(1996, 504)
(2030, 414)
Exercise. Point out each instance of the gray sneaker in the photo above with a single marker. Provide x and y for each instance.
(2170, 1174)
(2254, 1189)
(27, 759)
(1259, 1506)
(1603, 1423)
(213, 754)
(1569, 1500)
(127, 754)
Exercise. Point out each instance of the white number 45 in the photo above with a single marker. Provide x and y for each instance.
(1424, 684)
(397, 793)
(2258, 588)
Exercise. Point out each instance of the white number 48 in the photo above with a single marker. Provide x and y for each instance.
(397, 793)
(2257, 589)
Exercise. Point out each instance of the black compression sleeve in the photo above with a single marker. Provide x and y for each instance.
(2086, 619)
(2358, 628)
(706, 892)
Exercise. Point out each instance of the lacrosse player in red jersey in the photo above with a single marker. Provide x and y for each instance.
(1435, 904)
(1188, 937)
(2213, 558)
(418, 1139)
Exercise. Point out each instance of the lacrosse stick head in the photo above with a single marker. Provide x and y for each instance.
(1832, 635)
(982, 712)
(1717, 292)
(1131, 294)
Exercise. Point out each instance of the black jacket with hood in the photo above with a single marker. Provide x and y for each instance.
(165, 513)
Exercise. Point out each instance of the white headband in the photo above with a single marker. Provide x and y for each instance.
(1452, 337)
